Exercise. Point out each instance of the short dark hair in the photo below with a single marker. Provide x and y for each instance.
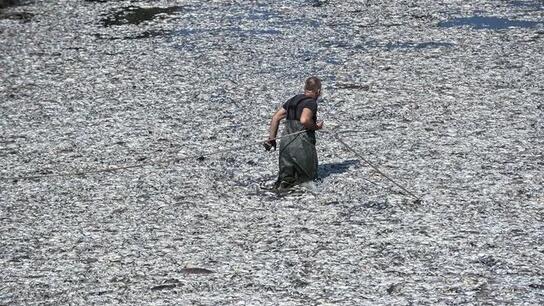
(312, 84)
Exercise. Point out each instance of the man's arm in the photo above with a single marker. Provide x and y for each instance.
(275, 123)
(308, 122)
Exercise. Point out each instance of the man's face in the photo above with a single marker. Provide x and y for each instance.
(318, 97)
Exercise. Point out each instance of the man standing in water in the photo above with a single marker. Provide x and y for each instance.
(297, 157)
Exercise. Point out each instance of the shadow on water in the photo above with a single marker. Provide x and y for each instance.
(325, 170)
(493, 23)
(136, 15)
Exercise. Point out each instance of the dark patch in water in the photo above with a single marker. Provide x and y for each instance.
(342, 45)
(537, 286)
(136, 15)
(325, 170)
(6, 3)
(148, 34)
(23, 16)
(364, 87)
(144, 34)
(488, 260)
(493, 23)
(196, 271)
(433, 45)
(319, 3)
(376, 205)
(163, 287)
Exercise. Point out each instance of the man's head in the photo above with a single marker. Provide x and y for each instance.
(312, 86)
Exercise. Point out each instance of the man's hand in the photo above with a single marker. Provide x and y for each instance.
(308, 122)
(269, 144)
(319, 125)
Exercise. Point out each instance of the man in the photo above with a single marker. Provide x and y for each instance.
(297, 156)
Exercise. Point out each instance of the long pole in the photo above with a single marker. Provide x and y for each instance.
(339, 139)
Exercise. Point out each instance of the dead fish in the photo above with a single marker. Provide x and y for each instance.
(365, 87)
(196, 271)
(163, 287)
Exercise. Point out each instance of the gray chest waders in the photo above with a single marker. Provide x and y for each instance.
(297, 156)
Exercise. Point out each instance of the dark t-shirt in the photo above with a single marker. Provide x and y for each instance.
(296, 104)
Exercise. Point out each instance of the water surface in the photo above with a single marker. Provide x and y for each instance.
(483, 22)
